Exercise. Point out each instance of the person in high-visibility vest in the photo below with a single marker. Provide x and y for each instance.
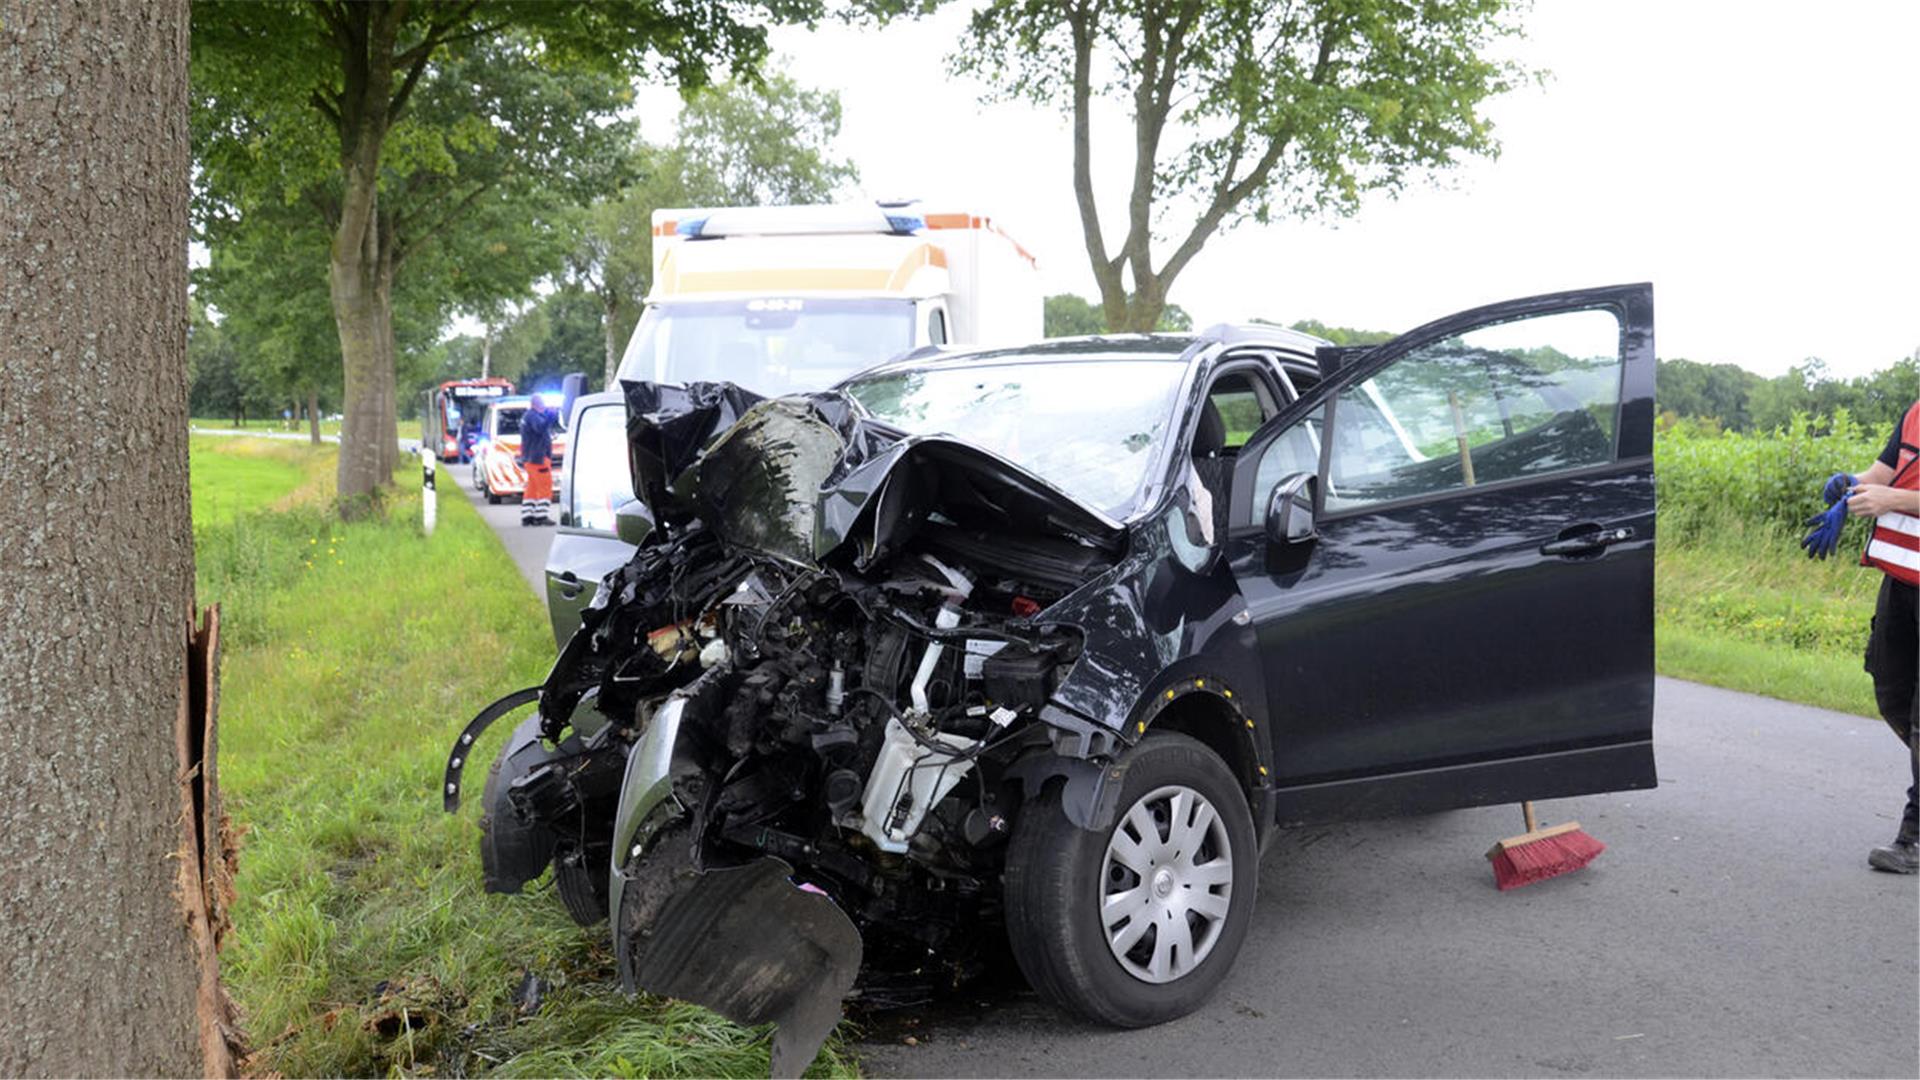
(1889, 493)
(536, 457)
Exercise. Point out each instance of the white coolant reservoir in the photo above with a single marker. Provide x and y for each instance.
(907, 780)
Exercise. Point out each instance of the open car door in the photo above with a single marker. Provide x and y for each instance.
(1453, 591)
(594, 485)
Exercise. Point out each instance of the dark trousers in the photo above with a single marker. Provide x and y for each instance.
(1893, 658)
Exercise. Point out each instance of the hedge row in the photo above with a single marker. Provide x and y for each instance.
(1772, 480)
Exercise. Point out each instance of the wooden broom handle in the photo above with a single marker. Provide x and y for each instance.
(1466, 456)
(1527, 809)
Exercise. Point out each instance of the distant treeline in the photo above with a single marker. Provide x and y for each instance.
(1731, 398)
(1727, 397)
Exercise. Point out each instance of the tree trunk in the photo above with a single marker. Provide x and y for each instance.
(103, 973)
(313, 416)
(486, 350)
(360, 272)
(363, 314)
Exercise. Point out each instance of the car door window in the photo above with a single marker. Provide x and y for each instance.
(600, 482)
(1524, 398)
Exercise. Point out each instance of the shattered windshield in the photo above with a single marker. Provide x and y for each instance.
(771, 346)
(1087, 427)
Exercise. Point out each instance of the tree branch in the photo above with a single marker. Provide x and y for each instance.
(465, 35)
(399, 102)
(327, 109)
(1233, 193)
(1158, 73)
(1078, 26)
(335, 21)
(455, 213)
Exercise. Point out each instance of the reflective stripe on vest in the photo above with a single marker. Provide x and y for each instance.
(1894, 545)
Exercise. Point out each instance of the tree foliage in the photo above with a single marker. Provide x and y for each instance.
(573, 340)
(1341, 335)
(1725, 397)
(398, 124)
(1245, 109)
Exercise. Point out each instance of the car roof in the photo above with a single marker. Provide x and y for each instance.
(1183, 346)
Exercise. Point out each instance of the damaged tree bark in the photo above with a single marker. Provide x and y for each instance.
(111, 901)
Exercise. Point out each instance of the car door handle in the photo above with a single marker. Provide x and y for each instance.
(1584, 539)
(570, 586)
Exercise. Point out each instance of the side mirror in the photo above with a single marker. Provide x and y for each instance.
(1290, 510)
(633, 522)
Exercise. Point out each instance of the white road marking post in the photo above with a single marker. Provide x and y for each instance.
(427, 508)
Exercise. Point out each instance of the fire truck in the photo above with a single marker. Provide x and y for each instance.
(451, 415)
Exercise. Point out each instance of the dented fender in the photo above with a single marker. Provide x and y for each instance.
(746, 941)
(646, 801)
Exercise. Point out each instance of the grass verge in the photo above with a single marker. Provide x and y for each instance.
(1745, 609)
(362, 942)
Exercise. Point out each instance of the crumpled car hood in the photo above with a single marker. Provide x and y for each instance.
(810, 479)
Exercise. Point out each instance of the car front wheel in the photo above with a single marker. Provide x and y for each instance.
(1137, 923)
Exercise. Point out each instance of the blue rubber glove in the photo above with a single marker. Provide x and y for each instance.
(1837, 486)
(1826, 530)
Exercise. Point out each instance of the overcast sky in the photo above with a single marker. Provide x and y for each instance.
(1757, 163)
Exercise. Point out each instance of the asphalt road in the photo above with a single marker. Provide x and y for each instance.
(1732, 928)
(527, 544)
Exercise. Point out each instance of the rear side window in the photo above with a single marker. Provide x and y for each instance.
(1239, 407)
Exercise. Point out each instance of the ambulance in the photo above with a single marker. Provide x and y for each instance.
(780, 299)
(786, 298)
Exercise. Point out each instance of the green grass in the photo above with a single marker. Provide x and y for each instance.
(232, 476)
(362, 943)
(1742, 607)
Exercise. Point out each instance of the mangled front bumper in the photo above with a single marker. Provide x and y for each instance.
(744, 940)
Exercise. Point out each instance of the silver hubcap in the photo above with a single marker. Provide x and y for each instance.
(1166, 884)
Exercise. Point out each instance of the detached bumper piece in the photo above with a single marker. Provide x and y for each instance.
(746, 942)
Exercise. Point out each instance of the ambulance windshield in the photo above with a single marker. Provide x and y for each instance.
(771, 346)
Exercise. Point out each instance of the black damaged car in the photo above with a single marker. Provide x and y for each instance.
(1054, 639)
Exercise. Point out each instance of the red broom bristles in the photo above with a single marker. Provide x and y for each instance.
(1537, 860)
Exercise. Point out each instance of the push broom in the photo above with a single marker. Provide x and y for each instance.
(1539, 854)
(1536, 854)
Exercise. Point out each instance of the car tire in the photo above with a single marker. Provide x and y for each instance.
(581, 882)
(1060, 879)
